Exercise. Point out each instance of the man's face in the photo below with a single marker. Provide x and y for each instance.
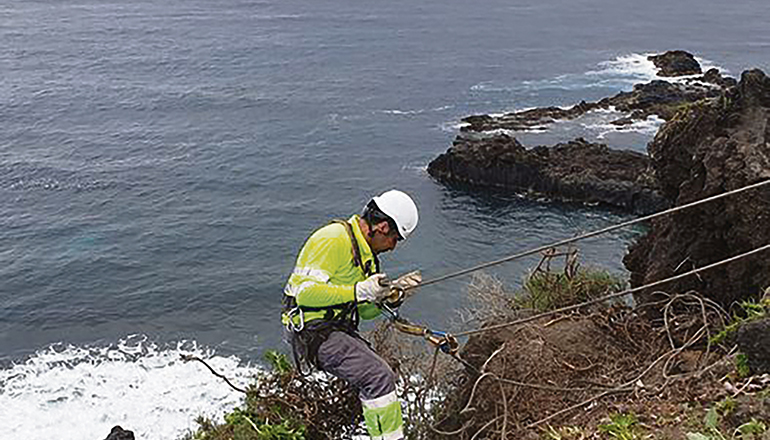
(385, 238)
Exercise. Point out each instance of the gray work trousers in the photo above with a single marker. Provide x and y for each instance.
(352, 360)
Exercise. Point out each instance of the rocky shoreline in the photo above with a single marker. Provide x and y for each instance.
(716, 138)
(658, 97)
(707, 149)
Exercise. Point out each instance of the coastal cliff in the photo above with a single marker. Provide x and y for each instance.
(595, 370)
(707, 149)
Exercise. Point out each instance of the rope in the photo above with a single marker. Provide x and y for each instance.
(614, 295)
(587, 235)
(189, 357)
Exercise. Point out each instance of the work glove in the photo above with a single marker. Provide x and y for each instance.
(398, 288)
(373, 289)
(408, 281)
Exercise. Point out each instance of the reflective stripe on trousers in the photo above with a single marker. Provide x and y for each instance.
(352, 360)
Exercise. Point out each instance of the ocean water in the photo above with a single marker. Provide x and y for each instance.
(161, 163)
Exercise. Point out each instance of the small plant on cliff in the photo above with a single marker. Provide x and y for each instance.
(742, 365)
(548, 289)
(711, 428)
(748, 311)
(621, 427)
(279, 362)
(751, 430)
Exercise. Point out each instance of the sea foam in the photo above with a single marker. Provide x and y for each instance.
(69, 392)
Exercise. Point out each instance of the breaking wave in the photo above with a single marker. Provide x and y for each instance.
(620, 73)
(70, 392)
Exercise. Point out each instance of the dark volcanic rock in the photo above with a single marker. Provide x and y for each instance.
(572, 171)
(709, 148)
(660, 98)
(754, 340)
(119, 433)
(675, 63)
(712, 76)
(527, 119)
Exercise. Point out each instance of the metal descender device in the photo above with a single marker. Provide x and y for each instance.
(441, 340)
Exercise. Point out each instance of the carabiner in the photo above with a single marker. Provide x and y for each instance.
(444, 341)
(291, 314)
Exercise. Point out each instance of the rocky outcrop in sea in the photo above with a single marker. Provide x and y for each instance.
(716, 138)
(577, 170)
(659, 97)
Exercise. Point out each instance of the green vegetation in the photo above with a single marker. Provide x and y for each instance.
(712, 430)
(547, 289)
(279, 362)
(693, 424)
(621, 427)
(747, 312)
(726, 406)
(254, 421)
(742, 365)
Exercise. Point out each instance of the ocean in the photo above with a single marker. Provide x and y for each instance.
(161, 164)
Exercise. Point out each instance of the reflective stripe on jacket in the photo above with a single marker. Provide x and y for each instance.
(325, 273)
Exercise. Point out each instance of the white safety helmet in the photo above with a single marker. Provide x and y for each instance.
(399, 207)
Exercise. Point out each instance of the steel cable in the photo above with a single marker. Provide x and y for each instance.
(586, 235)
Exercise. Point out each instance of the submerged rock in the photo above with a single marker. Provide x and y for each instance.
(572, 171)
(709, 148)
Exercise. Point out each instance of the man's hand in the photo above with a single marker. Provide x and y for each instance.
(373, 289)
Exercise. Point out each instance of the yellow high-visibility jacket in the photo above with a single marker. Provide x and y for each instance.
(326, 273)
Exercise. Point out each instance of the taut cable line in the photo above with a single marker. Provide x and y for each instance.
(587, 235)
(615, 295)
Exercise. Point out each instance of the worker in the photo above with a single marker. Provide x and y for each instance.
(336, 281)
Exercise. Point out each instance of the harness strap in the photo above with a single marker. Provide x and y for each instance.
(348, 310)
(367, 269)
(305, 344)
(290, 303)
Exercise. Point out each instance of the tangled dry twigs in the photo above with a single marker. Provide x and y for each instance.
(534, 374)
(326, 407)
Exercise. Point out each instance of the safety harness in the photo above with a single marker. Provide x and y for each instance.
(306, 338)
